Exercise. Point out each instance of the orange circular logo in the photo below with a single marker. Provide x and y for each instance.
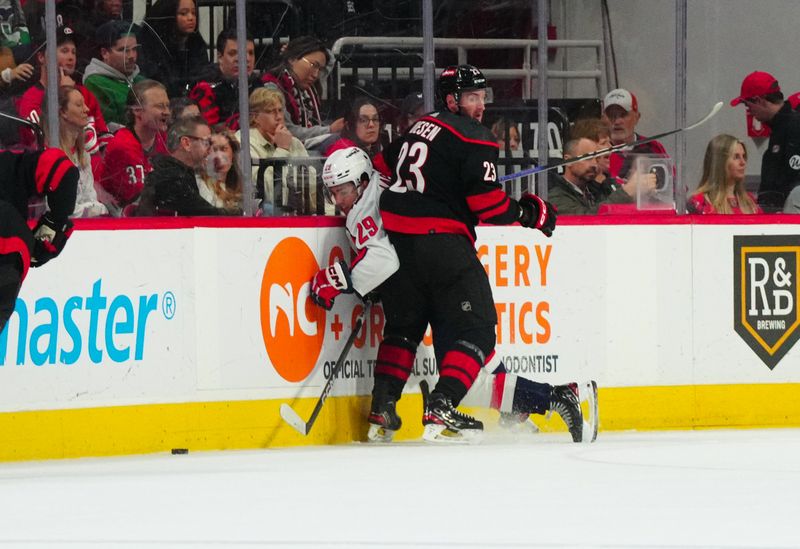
(293, 327)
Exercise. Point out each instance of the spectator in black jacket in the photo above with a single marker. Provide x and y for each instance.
(171, 188)
(780, 165)
(172, 49)
(217, 88)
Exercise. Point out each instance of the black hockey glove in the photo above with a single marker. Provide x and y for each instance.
(49, 238)
(329, 283)
(536, 213)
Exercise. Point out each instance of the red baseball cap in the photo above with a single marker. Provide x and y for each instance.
(756, 84)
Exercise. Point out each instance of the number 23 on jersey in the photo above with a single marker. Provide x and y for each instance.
(409, 168)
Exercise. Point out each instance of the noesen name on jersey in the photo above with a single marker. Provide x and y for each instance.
(426, 130)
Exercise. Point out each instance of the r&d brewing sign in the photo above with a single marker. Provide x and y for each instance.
(765, 274)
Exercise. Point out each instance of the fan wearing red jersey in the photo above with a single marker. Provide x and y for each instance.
(444, 183)
(25, 175)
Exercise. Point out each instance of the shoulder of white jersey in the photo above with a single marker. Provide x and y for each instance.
(462, 128)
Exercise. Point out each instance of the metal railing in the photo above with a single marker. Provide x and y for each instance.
(527, 73)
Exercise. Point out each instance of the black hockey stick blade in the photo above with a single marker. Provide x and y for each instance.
(287, 412)
(609, 150)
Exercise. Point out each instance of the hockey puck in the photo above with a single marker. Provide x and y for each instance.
(179, 451)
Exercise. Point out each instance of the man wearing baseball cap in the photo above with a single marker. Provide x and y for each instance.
(30, 104)
(621, 110)
(780, 165)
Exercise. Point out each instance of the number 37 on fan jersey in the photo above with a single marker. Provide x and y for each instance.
(410, 163)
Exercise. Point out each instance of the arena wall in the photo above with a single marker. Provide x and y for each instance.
(190, 333)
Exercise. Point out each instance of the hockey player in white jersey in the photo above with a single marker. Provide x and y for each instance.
(355, 187)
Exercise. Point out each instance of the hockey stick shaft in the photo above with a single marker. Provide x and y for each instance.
(335, 370)
(609, 150)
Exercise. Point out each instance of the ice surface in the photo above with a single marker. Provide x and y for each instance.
(667, 489)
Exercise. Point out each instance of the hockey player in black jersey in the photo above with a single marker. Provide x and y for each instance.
(25, 175)
(444, 183)
(355, 187)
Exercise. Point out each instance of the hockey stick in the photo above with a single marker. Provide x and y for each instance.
(609, 150)
(287, 412)
(36, 128)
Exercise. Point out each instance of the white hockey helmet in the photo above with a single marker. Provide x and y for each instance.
(350, 165)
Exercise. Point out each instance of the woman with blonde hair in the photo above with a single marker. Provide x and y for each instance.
(73, 116)
(269, 138)
(721, 188)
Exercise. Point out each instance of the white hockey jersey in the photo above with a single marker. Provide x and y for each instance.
(375, 259)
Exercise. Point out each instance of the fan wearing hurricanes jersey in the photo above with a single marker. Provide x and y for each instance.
(25, 175)
(356, 187)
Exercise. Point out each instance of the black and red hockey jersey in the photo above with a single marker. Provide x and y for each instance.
(445, 179)
(48, 173)
(24, 175)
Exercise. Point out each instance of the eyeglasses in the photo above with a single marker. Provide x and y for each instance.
(366, 120)
(205, 141)
(315, 67)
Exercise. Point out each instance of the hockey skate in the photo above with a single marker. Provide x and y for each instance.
(566, 401)
(443, 423)
(383, 420)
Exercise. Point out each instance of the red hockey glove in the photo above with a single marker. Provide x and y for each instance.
(49, 238)
(536, 213)
(330, 282)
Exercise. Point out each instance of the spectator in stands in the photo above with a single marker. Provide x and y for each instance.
(504, 129)
(780, 168)
(296, 75)
(221, 179)
(598, 130)
(102, 11)
(721, 189)
(412, 107)
(621, 110)
(130, 152)
(270, 138)
(30, 104)
(217, 89)
(73, 117)
(172, 49)
(111, 77)
(13, 32)
(362, 129)
(15, 76)
(569, 193)
(14, 49)
(182, 106)
(69, 13)
(106, 10)
(171, 188)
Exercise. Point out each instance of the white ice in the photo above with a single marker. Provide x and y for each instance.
(668, 489)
